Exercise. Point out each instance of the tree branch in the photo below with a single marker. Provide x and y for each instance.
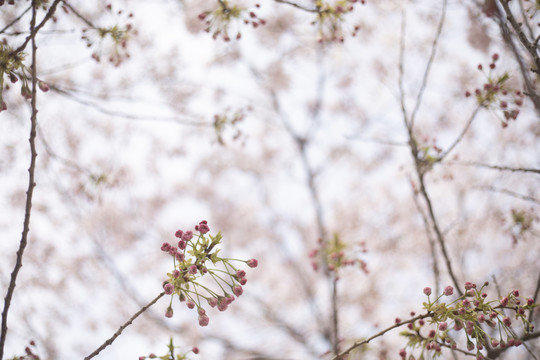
(121, 328)
(531, 47)
(31, 184)
(298, 6)
(342, 356)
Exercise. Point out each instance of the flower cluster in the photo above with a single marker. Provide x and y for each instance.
(195, 257)
(12, 67)
(116, 48)
(334, 255)
(218, 21)
(171, 353)
(330, 18)
(471, 314)
(497, 93)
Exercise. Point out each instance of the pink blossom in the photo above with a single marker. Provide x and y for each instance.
(176, 273)
(507, 321)
(193, 269)
(201, 311)
(204, 320)
(481, 318)
(169, 288)
(172, 250)
(179, 233)
(443, 326)
(203, 227)
(469, 285)
(504, 301)
(240, 274)
(190, 304)
(212, 302)
(431, 333)
(222, 304)
(427, 291)
(188, 235)
(402, 353)
(243, 281)
(237, 290)
(448, 290)
(195, 350)
(181, 244)
(515, 293)
(165, 246)
(180, 256)
(252, 263)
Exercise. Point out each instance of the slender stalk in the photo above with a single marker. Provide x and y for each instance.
(343, 355)
(110, 340)
(31, 185)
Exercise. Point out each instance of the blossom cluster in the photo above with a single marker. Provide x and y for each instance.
(497, 93)
(472, 315)
(12, 68)
(195, 256)
(218, 21)
(333, 253)
(330, 17)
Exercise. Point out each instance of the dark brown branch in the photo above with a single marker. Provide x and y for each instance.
(420, 165)
(110, 340)
(31, 185)
(529, 46)
(438, 233)
(343, 355)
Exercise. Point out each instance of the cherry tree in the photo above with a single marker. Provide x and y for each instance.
(378, 159)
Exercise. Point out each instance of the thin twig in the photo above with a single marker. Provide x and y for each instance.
(298, 6)
(463, 132)
(31, 184)
(121, 328)
(436, 272)
(428, 66)
(359, 343)
(48, 16)
(79, 15)
(495, 167)
(401, 68)
(15, 20)
(508, 192)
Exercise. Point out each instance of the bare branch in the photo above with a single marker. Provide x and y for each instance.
(342, 356)
(428, 66)
(298, 6)
(495, 167)
(48, 16)
(15, 20)
(121, 328)
(31, 184)
(529, 46)
(460, 137)
(508, 192)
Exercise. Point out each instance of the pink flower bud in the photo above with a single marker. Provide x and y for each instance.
(165, 246)
(507, 321)
(195, 350)
(237, 290)
(169, 288)
(212, 302)
(504, 301)
(448, 290)
(204, 320)
(252, 263)
(443, 326)
(190, 304)
(193, 269)
(169, 312)
(427, 291)
(179, 233)
(188, 235)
